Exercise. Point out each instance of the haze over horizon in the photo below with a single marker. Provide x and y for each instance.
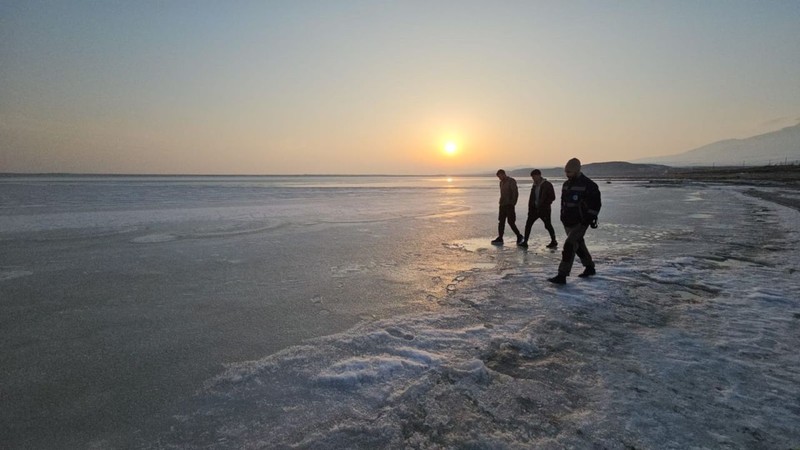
(356, 87)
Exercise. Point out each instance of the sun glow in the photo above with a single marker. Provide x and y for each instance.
(450, 148)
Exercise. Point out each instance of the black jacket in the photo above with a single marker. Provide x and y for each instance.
(508, 192)
(580, 201)
(546, 196)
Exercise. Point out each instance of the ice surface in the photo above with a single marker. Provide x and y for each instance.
(686, 338)
(376, 315)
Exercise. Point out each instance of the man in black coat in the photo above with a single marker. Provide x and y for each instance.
(542, 196)
(580, 205)
(508, 198)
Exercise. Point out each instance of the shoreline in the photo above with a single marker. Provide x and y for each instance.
(781, 176)
(783, 190)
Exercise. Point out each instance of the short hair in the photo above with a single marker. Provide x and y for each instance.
(536, 172)
(501, 172)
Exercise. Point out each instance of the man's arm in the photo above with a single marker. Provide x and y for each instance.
(549, 193)
(593, 201)
(514, 192)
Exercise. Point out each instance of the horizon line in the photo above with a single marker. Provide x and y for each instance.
(489, 172)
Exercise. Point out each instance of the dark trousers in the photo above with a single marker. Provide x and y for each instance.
(574, 245)
(541, 213)
(507, 213)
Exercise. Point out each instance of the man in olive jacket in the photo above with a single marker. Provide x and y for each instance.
(542, 196)
(580, 205)
(508, 199)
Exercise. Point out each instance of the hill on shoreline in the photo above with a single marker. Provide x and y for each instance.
(779, 174)
(602, 169)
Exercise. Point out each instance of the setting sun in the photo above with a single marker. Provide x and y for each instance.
(450, 148)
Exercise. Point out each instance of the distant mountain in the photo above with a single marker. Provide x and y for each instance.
(622, 169)
(777, 147)
(602, 169)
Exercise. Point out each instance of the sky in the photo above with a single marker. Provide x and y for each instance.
(380, 87)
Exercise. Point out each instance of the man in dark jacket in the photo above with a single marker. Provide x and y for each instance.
(580, 205)
(542, 196)
(508, 199)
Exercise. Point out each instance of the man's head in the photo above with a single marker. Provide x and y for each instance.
(573, 168)
(501, 174)
(536, 174)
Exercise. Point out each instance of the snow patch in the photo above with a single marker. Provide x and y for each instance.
(12, 274)
(154, 238)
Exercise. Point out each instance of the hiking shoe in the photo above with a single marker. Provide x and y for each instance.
(523, 244)
(558, 279)
(499, 240)
(552, 244)
(587, 272)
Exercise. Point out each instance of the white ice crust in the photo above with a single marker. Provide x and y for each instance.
(686, 338)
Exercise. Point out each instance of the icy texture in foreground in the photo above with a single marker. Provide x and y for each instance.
(687, 337)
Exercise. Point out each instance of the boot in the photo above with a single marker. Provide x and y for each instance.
(558, 279)
(587, 272)
(498, 240)
(523, 244)
(552, 244)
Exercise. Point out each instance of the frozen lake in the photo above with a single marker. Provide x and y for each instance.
(366, 312)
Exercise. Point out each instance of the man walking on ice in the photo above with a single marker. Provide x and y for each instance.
(542, 195)
(508, 199)
(580, 205)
